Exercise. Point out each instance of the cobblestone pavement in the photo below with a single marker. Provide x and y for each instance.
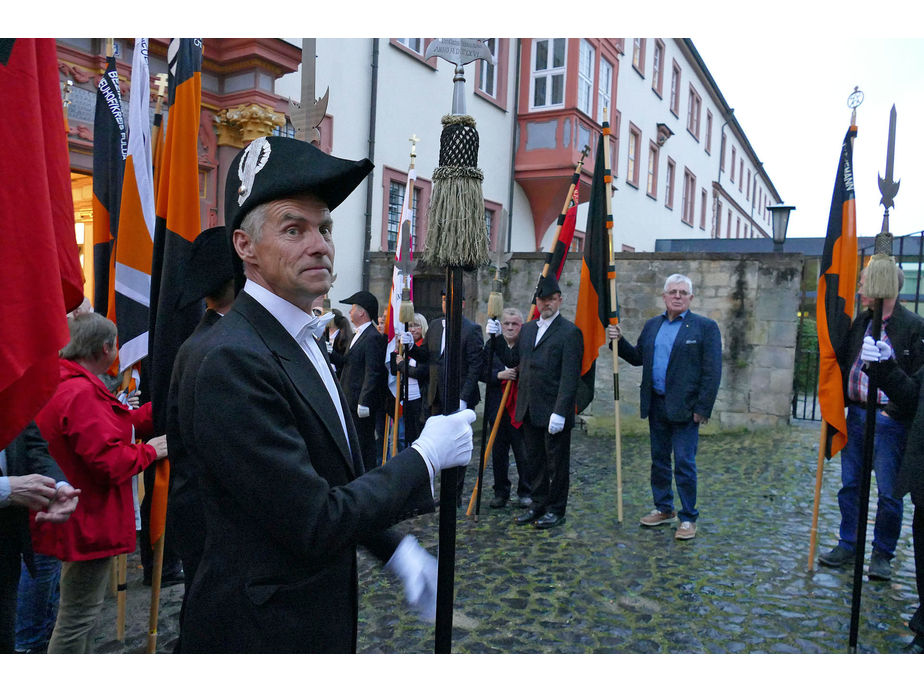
(594, 585)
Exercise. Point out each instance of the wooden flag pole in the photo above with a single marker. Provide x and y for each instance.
(155, 594)
(813, 536)
(614, 319)
(385, 438)
(121, 563)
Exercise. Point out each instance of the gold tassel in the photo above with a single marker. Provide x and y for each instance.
(880, 278)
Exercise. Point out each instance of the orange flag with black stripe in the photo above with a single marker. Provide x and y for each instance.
(176, 227)
(837, 283)
(593, 306)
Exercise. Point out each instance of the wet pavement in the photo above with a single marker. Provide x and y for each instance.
(595, 585)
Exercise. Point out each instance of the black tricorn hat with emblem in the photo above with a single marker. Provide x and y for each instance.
(272, 168)
(210, 265)
(547, 287)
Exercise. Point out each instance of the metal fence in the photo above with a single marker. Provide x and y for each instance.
(909, 254)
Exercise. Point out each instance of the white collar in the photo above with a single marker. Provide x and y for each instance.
(292, 318)
(545, 323)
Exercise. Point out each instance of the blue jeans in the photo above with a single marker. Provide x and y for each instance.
(37, 604)
(888, 450)
(682, 439)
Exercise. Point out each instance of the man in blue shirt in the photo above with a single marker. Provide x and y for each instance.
(681, 357)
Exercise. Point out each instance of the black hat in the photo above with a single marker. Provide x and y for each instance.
(547, 287)
(364, 300)
(271, 168)
(210, 265)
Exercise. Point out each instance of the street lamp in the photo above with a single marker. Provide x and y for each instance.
(779, 217)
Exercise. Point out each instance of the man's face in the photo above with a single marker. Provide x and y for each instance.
(510, 326)
(677, 299)
(358, 315)
(294, 257)
(549, 305)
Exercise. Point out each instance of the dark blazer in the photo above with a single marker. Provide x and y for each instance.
(905, 330)
(548, 371)
(429, 353)
(363, 375)
(284, 496)
(694, 369)
(494, 388)
(26, 454)
(907, 394)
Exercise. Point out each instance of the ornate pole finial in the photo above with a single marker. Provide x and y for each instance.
(413, 139)
(854, 100)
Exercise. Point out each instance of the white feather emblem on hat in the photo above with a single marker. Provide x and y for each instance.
(252, 161)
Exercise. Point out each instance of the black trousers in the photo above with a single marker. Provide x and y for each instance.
(917, 533)
(368, 447)
(9, 586)
(508, 438)
(548, 466)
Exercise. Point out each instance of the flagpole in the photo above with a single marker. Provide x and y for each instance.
(532, 311)
(614, 319)
(813, 536)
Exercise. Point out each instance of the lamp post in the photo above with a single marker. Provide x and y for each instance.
(779, 217)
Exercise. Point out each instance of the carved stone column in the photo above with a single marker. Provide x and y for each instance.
(240, 125)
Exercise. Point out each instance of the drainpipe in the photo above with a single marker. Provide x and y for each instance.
(373, 100)
(513, 150)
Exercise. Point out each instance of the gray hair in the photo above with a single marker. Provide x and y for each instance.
(512, 311)
(252, 223)
(678, 279)
(89, 333)
(419, 319)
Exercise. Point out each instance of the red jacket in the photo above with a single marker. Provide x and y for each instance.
(89, 433)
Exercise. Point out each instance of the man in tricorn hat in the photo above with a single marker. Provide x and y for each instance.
(278, 460)
(548, 358)
(363, 378)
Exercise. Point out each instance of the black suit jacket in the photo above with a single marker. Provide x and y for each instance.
(694, 368)
(284, 496)
(429, 353)
(363, 375)
(26, 454)
(548, 371)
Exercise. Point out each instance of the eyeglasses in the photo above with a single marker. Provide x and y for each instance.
(677, 292)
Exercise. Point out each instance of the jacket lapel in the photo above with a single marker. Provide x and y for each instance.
(300, 371)
(553, 327)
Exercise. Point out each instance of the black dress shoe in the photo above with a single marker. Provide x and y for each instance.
(529, 516)
(916, 646)
(549, 520)
(498, 502)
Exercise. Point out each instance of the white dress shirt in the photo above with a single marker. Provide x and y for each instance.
(544, 325)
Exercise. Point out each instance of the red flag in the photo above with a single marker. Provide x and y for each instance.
(566, 222)
(594, 311)
(176, 227)
(40, 274)
(837, 283)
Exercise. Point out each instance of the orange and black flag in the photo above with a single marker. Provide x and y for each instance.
(837, 283)
(594, 311)
(110, 147)
(176, 227)
(40, 274)
(566, 224)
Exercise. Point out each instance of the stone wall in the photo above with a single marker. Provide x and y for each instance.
(753, 297)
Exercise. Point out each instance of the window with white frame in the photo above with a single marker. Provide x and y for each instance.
(675, 90)
(688, 202)
(488, 71)
(652, 186)
(734, 154)
(708, 131)
(695, 107)
(585, 101)
(669, 184)
(632, 166)
(396, 192)
(718, 219)
(657, 67)
(604, 85)
(638, 55)
(548, 73)
(704, 196)
(413, 44)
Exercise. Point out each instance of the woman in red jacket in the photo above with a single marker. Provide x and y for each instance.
(89, 434)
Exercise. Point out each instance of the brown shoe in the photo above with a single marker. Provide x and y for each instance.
(656, 517)
(686, 530)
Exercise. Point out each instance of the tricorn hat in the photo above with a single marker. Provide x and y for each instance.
(272, 168)
(366, 300)
(547, 287)
(210, 265)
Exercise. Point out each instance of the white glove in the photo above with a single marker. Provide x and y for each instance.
(556, 423)
(875, 351)
(330, 347)
(407, 339)
(361, 411)
(493, 327)
(417, 570)
(446, 441)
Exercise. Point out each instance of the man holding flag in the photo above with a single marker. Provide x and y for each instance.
(681, 357)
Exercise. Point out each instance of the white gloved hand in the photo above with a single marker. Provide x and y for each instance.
(493, 327)
(873, 351)
(407, 338)
(446, 441)
(417, 570)
(556, 423)
(361, 411)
